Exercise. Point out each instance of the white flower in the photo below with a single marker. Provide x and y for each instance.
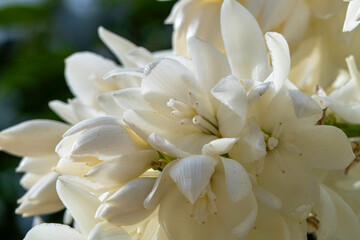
(294, 145)
(311, 27)
(36, 140)
(105, 152)
(82, 206)
(344, 98)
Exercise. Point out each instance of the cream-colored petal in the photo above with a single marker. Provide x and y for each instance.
(80, 71)
(271, 225)
(108, 105)
(244, 43)
(126, 206)
(104, 142)
(192, 174)
(106, 231)
(38, 165)
(219, 146)
(91, 123)
(292, 181)
(274, 13)
(280, 57)
(352, 19)
(267, 198)
(81, 204)
(297, 23)
(130, 98)
(162, 184)
(63, 110)
(35, 138)
(161, 144)
(238, 184)
(251, 145)
(348, 222)
(53, 231)
(326, 213)
(118, 45)
(166, 79)
(124, 168)
(232, 112)
(140, 56)
(210, 64)
(325, 147)
(145, 123)
(41, 197)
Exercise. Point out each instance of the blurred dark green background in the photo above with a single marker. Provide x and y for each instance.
(35, 38)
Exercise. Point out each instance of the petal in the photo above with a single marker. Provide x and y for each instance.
(238, 184)
(275, 12)
(38, 165)
(352, 16)
(81, 204)
(251, 145)
(267, 198)
(53, 231)
(163, 145)
(108, 104)
(126, 206)
(162, 184)
(293, 182)
(122, 169)
(64, 111)
(41, 197)
(297, 23)
(166, 79)
(325, 147)
(327, 214)
(219, 146)
(104, 142)
(348, 222)
(232, 111)
(91, 123)
(130, 98)
(140, 57)
(80, 71)
(269, 225)
(280, 57)
(35, 138)
(118, 45)
(210, 64)
(106, 231)
(192, 174)
(244, 43)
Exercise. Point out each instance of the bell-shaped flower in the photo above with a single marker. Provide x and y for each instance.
(294, 145)
(36, 141)
(310, 27)
(344, 100)
(105, 152)
(82, 205)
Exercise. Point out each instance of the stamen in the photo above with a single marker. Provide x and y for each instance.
(279, 161)
(181, 107)
(277, 131)
(199, 120)
(201, 111)
(291, 148)
(186, 121)
(178, 114)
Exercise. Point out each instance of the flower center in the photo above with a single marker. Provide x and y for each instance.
(203, 205)
(191, 112)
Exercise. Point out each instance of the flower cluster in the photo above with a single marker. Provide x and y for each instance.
(233, 135)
